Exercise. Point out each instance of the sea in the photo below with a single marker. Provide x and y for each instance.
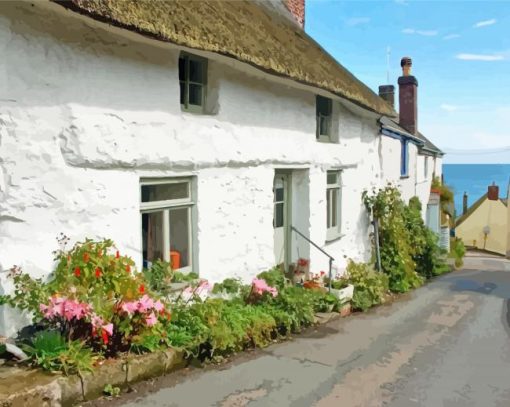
(474, 179)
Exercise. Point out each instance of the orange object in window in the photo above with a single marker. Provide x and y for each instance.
(175, 259)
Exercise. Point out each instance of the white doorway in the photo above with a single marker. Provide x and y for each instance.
(281, 218)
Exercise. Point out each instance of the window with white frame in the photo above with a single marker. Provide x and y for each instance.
(166, 207)
(404, 158)
(426, 167)
(333, 204)
(324, 113)
(192, 82)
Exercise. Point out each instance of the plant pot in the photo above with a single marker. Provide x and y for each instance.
(344, 294)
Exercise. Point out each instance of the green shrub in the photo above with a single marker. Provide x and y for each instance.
(159, 276)
(274, 277)
(458, 250)
(179, 277)
(51, 351)
(370, 286)
(229, 286)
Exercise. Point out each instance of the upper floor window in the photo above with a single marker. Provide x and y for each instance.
(323, 107)
(333, 204)
(404, 158)
(192, 82)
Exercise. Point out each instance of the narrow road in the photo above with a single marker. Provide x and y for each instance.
(446, 344)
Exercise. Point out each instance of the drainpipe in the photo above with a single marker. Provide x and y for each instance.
(375, 222)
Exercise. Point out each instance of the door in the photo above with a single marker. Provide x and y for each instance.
(281, 219)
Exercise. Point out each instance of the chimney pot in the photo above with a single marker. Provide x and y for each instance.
(387, 92)
(406, 63)
(297, 8)
(465, 203)
(493, 192)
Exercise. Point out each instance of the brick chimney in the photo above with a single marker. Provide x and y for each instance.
(297, 8)
(408, 97)
(387, 92)
(465, 203)
(493, 192)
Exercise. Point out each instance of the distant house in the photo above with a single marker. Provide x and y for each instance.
(484, 225)
(205, 133)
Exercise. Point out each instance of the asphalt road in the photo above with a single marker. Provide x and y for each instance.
(446, 344)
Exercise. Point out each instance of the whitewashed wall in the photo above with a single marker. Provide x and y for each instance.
(87, 110)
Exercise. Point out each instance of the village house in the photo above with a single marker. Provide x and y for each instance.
(484, 225)
(206, 133)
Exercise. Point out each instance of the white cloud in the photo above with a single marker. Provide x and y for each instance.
(449, 108)
(427, 33)
(485, 23)
(451, 36)
(480, 57)
(357, 21)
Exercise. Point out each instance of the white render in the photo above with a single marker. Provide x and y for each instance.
(87, 110)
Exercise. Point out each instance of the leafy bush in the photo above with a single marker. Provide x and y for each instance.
(369, 285)
(229, 286)
(93, 296)
(51, 351)
(179, 277)
(274, 277)
(159, 276)
(458, 251)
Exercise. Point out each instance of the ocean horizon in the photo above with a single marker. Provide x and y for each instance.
(474, 179)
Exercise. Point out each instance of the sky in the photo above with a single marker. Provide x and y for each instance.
(461, 58)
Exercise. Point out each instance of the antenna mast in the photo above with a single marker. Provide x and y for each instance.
(388, 52)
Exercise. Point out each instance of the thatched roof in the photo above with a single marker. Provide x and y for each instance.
(241, 29)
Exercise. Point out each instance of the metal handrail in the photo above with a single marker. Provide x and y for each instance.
(331, 258)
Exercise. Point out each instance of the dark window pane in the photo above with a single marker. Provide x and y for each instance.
(182, 87)
(279, 215)
(165, 192)
(323, 106)
(182, 69)
(279, 193)
(179, 238)
(152, 237)
(334, 207)
(196, 71)
(324, 126)
(332, 177)
(195, 95)
(328, 207)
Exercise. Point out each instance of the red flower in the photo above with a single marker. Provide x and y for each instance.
(98, 272)
(128, 268)
(322, 273)
(104, 335)
(141, 289)
(86, 257)
(77, 271)
(117, 254)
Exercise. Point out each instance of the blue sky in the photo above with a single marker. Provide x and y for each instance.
(461, 58)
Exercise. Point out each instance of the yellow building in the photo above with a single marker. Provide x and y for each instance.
(485, 224)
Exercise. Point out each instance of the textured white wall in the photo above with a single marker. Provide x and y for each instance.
(86, 111)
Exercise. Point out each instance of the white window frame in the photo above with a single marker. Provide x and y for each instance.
(334, 232)
(165, 206)
(186, 106)
(426, 167)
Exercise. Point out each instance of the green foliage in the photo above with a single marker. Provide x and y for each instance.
(446, 196)
(159, 276)
(179, 277)
(458, 251)
(51, 351)
(274, 277)
(111, 391)
(337, 284)
(370, 286)
(229, 286)
(395, 238)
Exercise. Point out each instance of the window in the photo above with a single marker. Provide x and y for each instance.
(426, 168)
(166, 222)
(404, 158)
(324, 113)
(192, 82)
(333, 200)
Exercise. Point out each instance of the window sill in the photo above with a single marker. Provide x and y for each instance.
(335, 239)
(326, 140)
(404, 176)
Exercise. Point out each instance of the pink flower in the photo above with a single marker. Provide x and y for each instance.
(203, 290)
(260, 287)
(96, 321)
(129, 307)
(145, 303)
(187, 294)
(151, 320)
(158, 306)
(108, 328)
(75, 309)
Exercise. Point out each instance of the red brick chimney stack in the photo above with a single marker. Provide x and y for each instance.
(408, 97)
(297, 8)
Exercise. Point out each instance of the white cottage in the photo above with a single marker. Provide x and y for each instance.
(205, 133)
